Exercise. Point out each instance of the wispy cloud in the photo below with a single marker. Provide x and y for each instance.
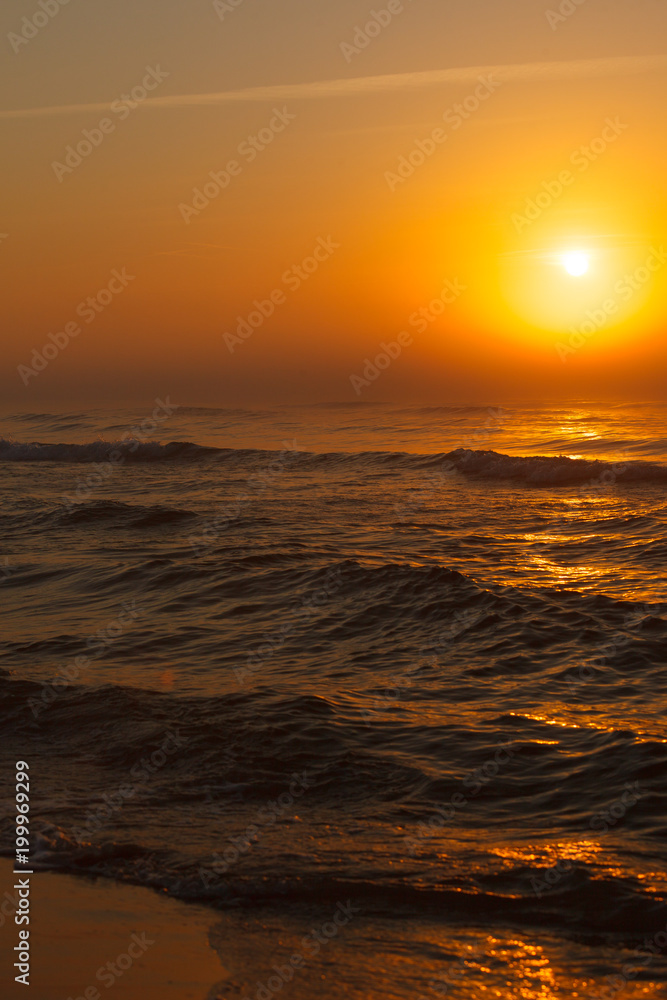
(369, 85)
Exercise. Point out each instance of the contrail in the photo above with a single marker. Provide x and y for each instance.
(369, 85)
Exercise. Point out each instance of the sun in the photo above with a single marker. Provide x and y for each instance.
(575, 263)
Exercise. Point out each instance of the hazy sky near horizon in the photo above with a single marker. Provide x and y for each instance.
(415, 185)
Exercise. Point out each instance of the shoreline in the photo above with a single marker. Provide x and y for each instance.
(93, 938)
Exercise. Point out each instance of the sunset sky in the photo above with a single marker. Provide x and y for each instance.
(557, 146)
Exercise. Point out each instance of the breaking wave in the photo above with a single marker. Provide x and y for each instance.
(533, 470)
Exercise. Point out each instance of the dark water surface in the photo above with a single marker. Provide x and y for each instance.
(408, 661)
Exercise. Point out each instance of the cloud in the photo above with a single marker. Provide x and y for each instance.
(370, 85)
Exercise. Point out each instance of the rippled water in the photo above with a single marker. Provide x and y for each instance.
(410, 658)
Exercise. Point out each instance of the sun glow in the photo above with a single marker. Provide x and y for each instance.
(561, 280)
(576, 263)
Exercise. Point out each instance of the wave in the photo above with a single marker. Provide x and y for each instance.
(126, 515)
(75, 512)
(587, 903)
(348, 601)
(536, 470)
(357, 749)
(542, 470)
(43, 417)
(114, 452)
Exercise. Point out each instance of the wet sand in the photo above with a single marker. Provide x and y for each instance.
(83, 932)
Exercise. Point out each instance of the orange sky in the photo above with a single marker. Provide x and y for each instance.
(468, 143)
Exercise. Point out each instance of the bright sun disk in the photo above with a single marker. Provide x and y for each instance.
(575, 263)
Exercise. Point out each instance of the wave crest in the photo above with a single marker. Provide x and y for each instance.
(534, 470)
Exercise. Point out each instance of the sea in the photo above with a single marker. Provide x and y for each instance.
(383, 686)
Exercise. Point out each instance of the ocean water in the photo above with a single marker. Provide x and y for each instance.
(404, 667)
